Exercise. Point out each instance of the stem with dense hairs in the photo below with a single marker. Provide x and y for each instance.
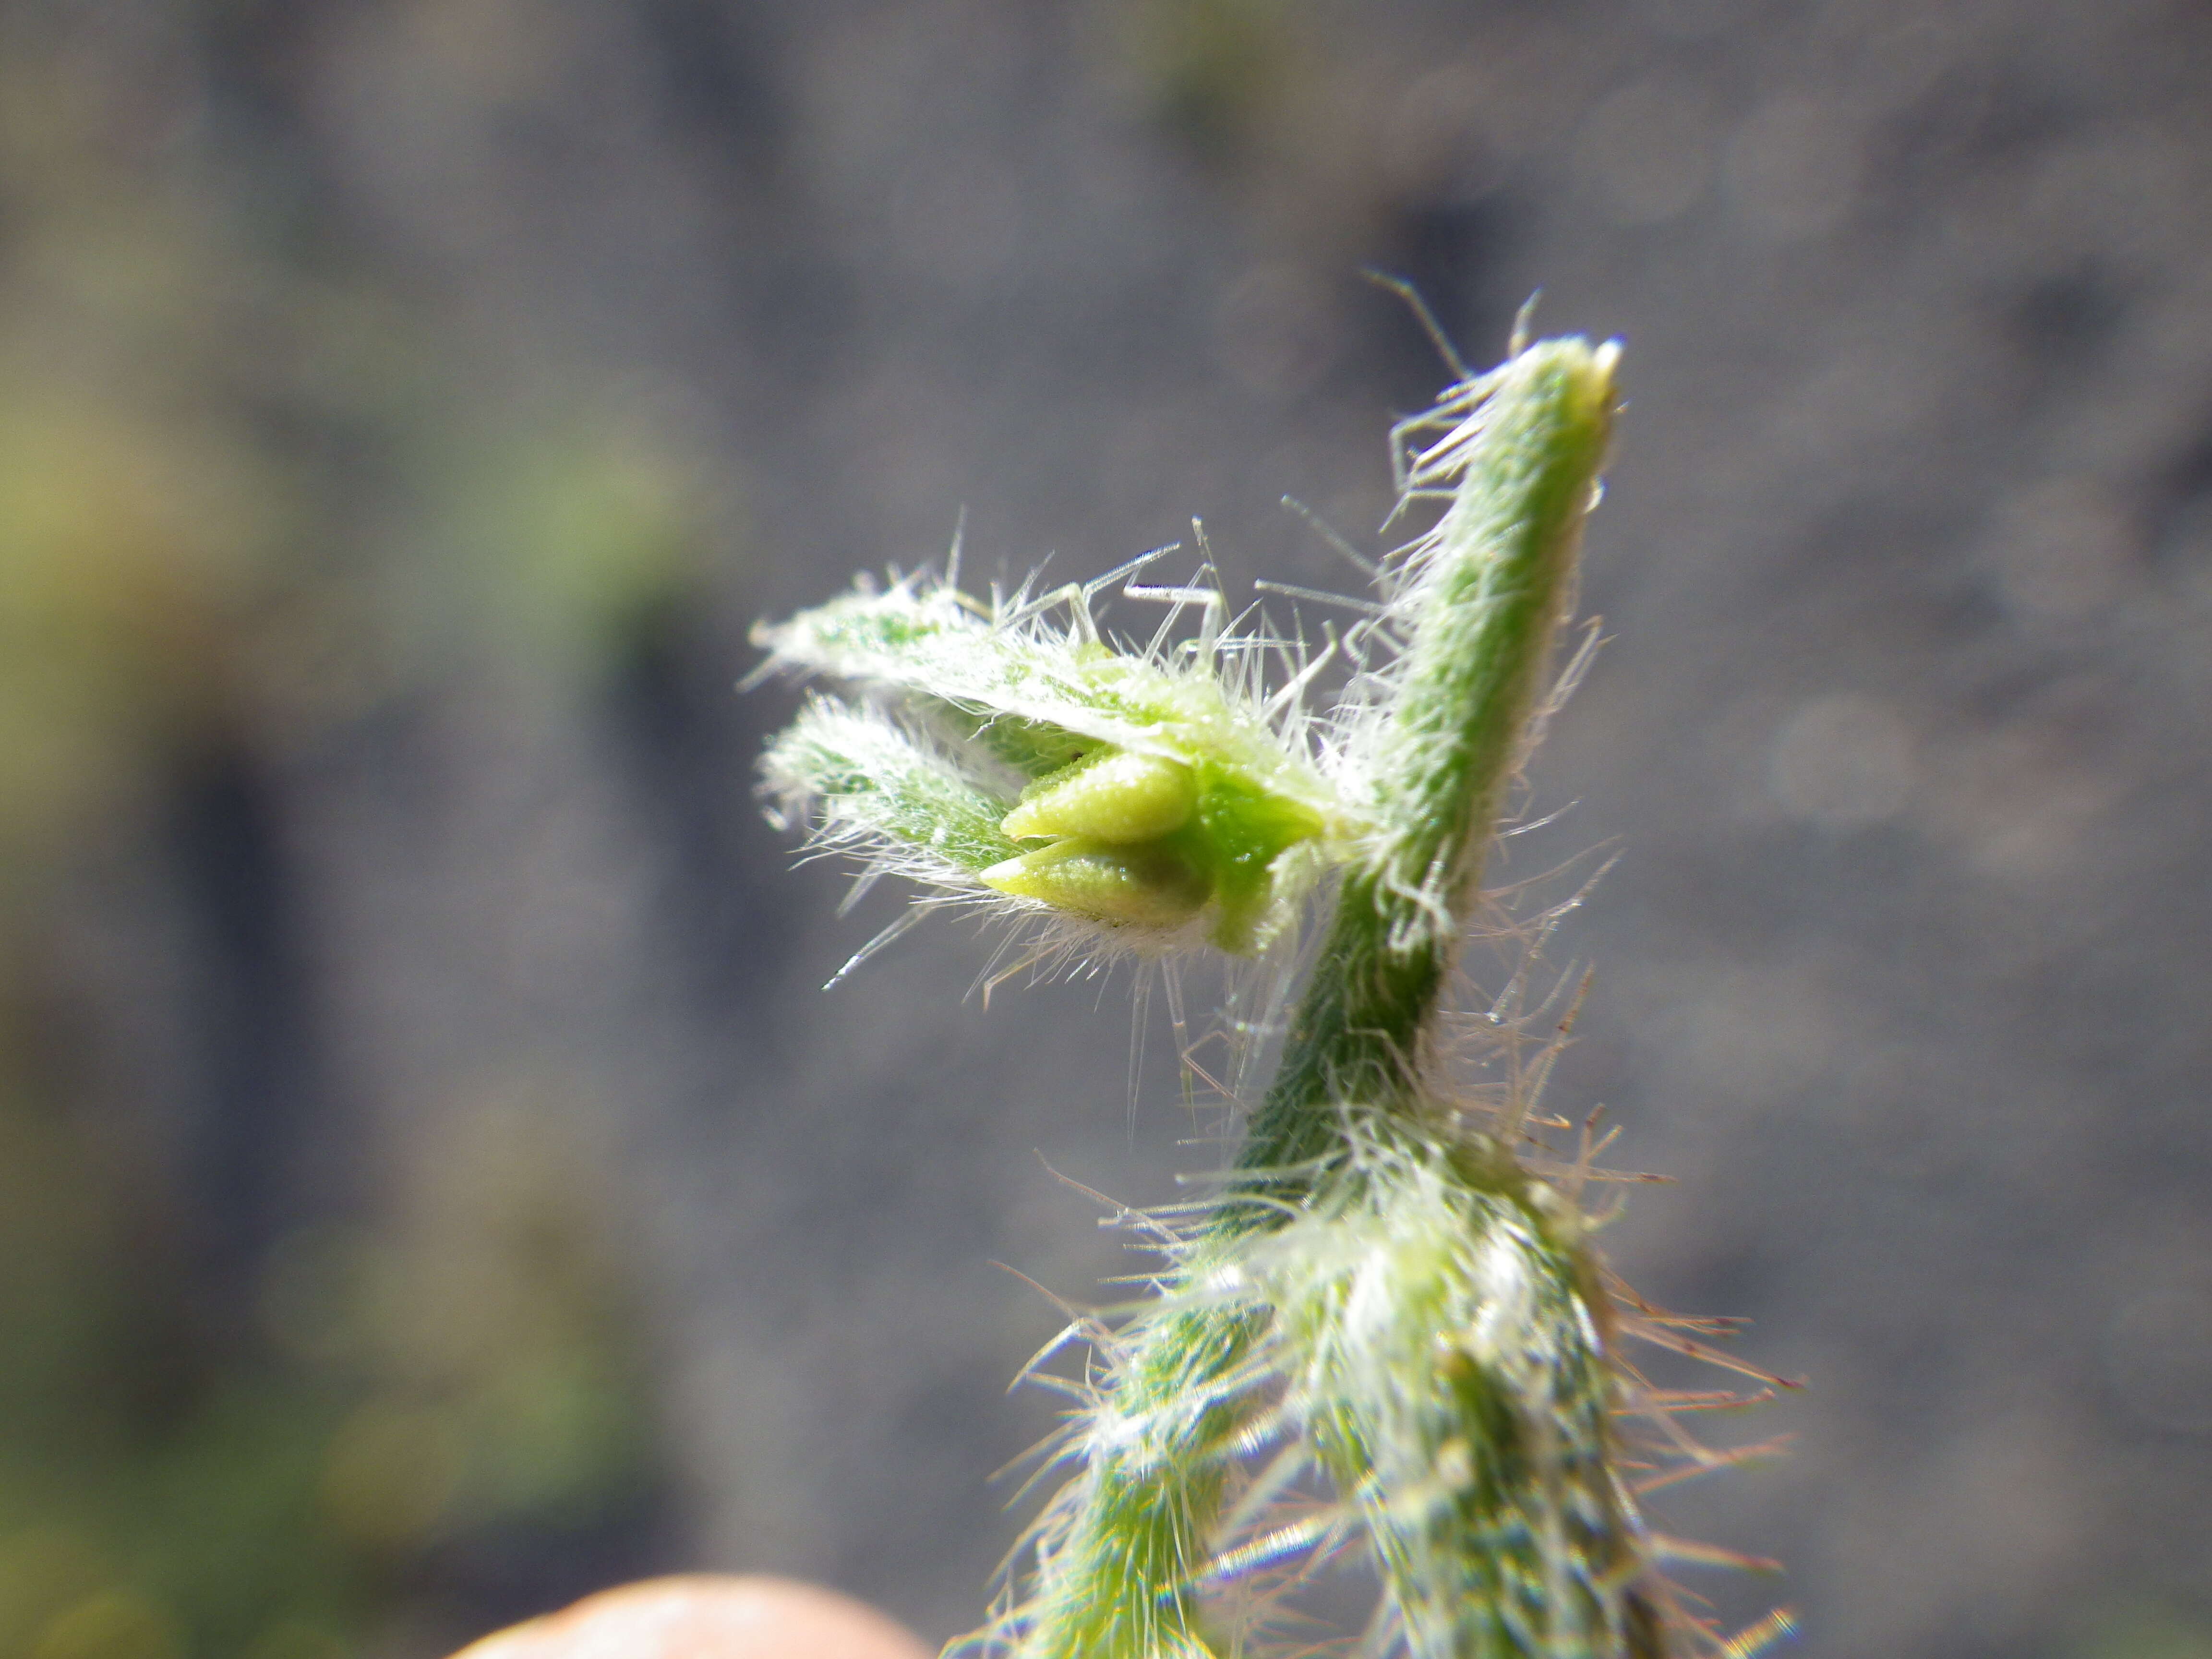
(1428, 1312)
(1484, 596)
(1390, 1334)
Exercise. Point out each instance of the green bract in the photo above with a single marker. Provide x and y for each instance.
(1144, 797)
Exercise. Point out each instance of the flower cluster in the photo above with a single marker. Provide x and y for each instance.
(1138, 799)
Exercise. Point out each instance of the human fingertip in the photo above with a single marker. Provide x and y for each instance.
(708, 1616)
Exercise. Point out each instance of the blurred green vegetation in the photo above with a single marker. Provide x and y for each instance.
(1216, 72)
(468, 1363)
(248, 495)
(2147, 1631)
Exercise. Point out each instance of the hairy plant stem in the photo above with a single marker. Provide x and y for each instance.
(1534, 1550)
(1389, 1336)
(1484, 608)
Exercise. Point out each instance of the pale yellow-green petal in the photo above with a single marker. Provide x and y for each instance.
(1122, 798)
(1146, 887)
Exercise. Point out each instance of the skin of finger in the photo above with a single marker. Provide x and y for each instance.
(708, 1617)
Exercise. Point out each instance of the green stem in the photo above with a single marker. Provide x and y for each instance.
(1115, 1559)
(1483, 596)
(1485, 603)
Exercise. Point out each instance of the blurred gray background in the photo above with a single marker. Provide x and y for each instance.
(432, 1181)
